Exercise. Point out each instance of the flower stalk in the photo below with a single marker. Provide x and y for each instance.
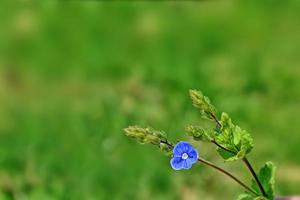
(249, 166)
(221, 170)
(227, 174)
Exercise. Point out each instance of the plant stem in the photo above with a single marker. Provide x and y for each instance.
(201, 160)
(227, 174)
(245, 160)
(249, 166)
(221, 147)
(218, 124)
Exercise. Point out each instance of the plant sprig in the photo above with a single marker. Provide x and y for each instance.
(232, 142)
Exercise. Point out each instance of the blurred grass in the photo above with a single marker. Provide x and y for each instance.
(73, 74)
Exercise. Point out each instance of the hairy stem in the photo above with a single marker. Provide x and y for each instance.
(218, 124)
(227, 174)
(245, 160)
(221, 147)
(249, 166)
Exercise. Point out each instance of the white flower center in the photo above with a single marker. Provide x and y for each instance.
(184, 156)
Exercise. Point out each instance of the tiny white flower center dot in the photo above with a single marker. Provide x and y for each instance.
(184, 156)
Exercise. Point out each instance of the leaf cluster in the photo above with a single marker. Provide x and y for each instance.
(266, 176)
(237, 141)
(233, 143)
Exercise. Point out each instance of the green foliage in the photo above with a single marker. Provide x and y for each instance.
(239, 142)
(266, 176)
(236, 141)
(228, 156)
(233, 143)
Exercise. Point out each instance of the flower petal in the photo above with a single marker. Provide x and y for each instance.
(178, 150)
(193, 156)
(187, 164)
(182, 147)
(176, 163)
(186, 146)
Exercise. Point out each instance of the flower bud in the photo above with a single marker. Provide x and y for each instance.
(198, 133)
(202, 103)
(167, 149)
(145, 135)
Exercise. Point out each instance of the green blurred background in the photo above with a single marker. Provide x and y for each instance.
(73, 74)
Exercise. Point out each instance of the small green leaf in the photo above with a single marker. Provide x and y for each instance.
(237, 136)
(246, 141)
(229, 157)
(224, 154)
(266, 176)
(240, 155)
(233, 138)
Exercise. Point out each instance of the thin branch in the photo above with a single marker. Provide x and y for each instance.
(218, 169)
(221, 147)
(167, 143)
(249, 166)
(218, 124)
(227, 174)
(245, 160)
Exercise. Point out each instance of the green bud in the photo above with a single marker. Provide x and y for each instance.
(226, 121)
(145, 135)
(152, 139)
(198, 133)
(202, 103)
(167, 149)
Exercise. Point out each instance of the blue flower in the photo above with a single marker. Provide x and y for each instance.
(184, 156)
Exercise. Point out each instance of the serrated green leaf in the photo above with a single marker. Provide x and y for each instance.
(233, 138)
(266, 176)
(246, 141)
(237, 136)
(240, 155)
(229, 157)
(224, 154)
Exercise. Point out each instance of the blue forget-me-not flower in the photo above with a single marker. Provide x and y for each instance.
(184, 156)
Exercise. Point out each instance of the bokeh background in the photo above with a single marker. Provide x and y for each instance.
(73, 74)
